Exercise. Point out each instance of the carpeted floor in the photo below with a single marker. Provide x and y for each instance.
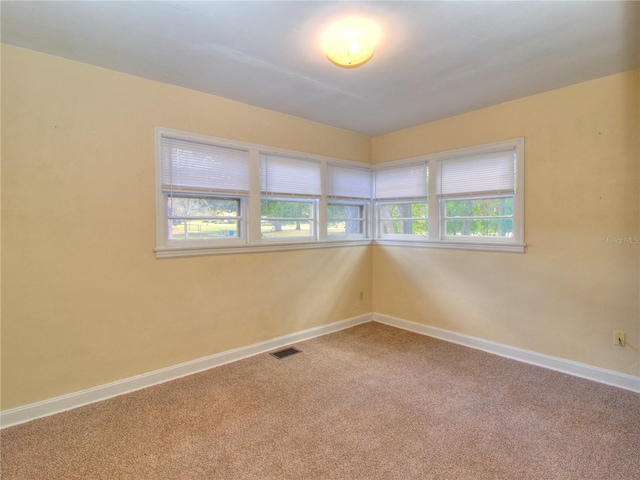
(371, 402)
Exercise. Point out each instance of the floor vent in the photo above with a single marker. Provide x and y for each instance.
(285, 353)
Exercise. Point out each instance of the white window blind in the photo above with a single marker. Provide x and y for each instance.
(402, 182)
(479, 174)
(349, 182)
(190, 166)
(281, 175)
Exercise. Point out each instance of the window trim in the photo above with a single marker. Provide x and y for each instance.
(436, 237)
(251, 240)
(166, 247)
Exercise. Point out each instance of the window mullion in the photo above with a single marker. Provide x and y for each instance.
(253, 220)
(322, 205)
(433, 206)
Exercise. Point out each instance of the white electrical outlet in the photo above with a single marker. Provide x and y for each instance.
(619, 338)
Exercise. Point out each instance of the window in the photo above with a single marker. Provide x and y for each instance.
(348, 199)
(477, 199)
(290, 189)
(201, 217)
(478, 196)
(401, 201)
(203, 192)
(216, 196)
(478, 217)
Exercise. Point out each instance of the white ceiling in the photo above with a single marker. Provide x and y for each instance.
(436, 59)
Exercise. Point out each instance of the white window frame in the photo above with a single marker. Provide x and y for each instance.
(396, 195)
(364, 219)
(313, 220)
(249, 239)
(400, 236)
(165, 245)
(344, 186)
(292, 191)
(436, 237)
(240, 219)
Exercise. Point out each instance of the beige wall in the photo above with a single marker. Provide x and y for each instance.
(567, 294)
(84, 300)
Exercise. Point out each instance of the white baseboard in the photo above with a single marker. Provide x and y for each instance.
(62, 403)
(601, 375)
(51, 406)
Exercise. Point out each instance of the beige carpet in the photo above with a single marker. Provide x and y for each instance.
(371, 402)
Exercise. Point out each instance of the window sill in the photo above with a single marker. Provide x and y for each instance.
(477, 246)
(171, 252)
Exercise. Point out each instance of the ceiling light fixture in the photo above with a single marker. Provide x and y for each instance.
(349, 42)
(349, 52)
